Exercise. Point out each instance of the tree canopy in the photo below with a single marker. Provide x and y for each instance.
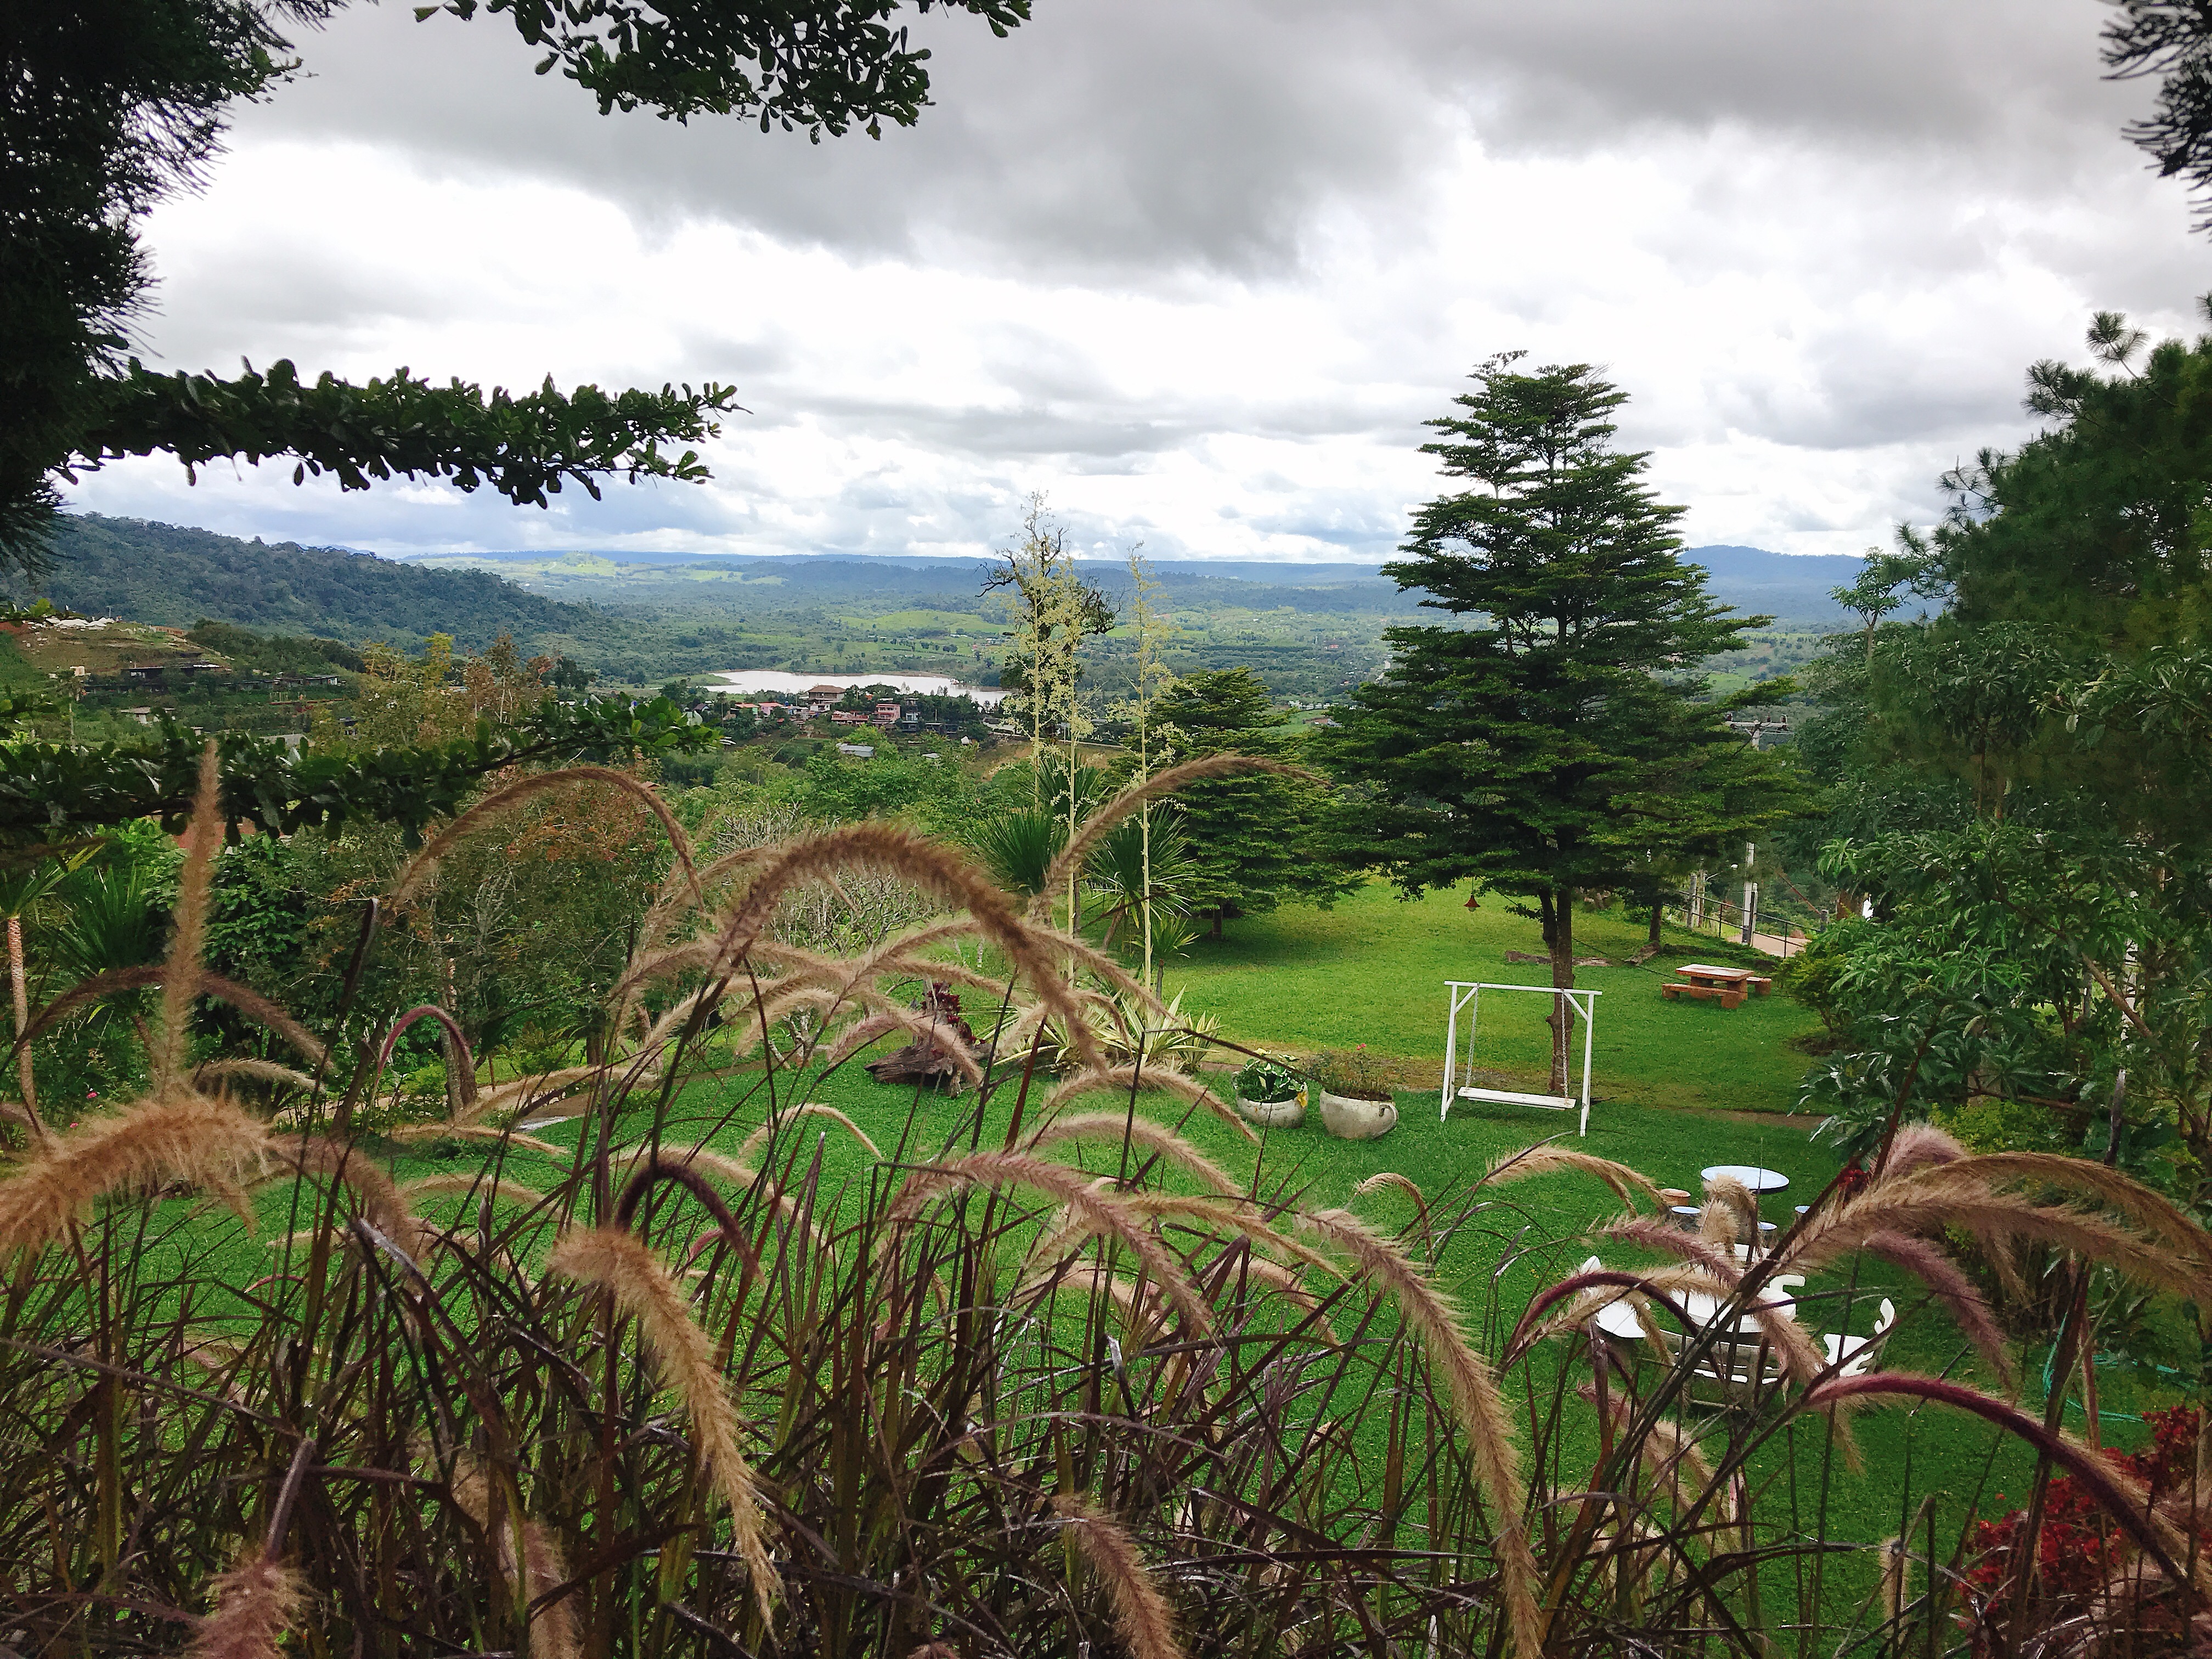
(111, 105)
(1554, 737)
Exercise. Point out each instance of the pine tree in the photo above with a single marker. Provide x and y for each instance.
(1254, 841)
(1549, 740)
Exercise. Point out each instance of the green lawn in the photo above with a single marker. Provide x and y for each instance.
(1372, 970)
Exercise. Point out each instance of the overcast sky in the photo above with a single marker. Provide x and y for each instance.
(1198, 269)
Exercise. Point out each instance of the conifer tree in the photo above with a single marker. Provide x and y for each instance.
(1256, 840)
(1546, 739)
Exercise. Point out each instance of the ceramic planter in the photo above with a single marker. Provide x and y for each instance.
(1273, 1114)
(1349, 1118)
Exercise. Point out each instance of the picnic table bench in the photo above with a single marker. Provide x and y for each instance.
(1728, 986)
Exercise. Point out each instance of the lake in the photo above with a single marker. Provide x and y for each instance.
(775, 683)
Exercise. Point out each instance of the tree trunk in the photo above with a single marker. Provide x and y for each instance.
(1218, 915)
(1658, 922)
(23, 1011)
(1557, 910)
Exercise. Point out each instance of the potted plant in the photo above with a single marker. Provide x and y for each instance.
(1355, 1089)
(1271, 1094)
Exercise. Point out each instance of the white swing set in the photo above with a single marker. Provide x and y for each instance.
(1469, 995)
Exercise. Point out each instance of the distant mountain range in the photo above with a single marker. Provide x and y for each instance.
(642, 617)
(1793, 588)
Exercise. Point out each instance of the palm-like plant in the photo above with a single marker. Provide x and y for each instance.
(1117, 872)
(118, 917)
(1018, 847)
(25, 891)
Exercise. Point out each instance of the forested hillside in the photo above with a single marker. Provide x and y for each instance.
(169, 574)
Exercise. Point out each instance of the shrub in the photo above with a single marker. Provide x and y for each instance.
(1355, 1074)
(1268, 1080)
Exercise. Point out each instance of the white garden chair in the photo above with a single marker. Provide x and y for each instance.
(1857, 1355)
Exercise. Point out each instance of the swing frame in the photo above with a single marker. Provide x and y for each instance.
(1467, 995)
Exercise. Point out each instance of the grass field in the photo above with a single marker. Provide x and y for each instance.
(1373, 968)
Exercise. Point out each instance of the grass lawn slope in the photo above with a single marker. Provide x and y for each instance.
(1372, 970)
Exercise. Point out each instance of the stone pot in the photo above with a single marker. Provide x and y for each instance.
(1273, 1113)
(1350, 1118)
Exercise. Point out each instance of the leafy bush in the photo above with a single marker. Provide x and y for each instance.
(1267, 1079)
(1355, 1074)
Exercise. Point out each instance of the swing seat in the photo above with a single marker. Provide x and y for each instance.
(1507, 1097)
(1460, 1064)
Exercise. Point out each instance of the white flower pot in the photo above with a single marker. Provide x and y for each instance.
(1349, 1118)
(1273, 1113)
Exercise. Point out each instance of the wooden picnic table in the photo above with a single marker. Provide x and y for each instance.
(1728, 986)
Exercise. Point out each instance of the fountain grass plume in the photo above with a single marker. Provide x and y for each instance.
(2148, 1212)
(2123, 1499)
(445, 1186)
(466, 1074)
(382, 1204)
(202, 1142)
(901, 853)
(1664, 1236)
(1719, 1223)
(776, 1121)
(250, 1003)
(529, 1091)
(1124, 1079)
(1141, 1616)
(1142, 1308)
(419, 869)
(702, 1157)
(439, 1131)
(1548, 1157)
(1141, 1133)
(253, 1071)
(1433, 1317)
(922, 1028)
(1919, 1146)
(1097, 1212)
(1968, 1308)
(1095, 827)
(1726, 1189)
(1390, 1181)
(256, 1603)
(614, 1259)
(553, 1631)
(1928, 1202)
(1595, 1288)
(180, 980)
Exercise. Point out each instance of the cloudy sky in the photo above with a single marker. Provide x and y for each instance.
(1198, 269)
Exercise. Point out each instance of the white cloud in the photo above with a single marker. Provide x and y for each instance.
(1198, 272)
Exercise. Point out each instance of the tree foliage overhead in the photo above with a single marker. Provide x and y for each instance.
(822, 65)
(1553, 737)
(108, 106)
(524, 447)
(2171, 40)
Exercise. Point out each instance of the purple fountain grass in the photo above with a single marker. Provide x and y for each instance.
(189, 1138)
(614, 1259)
(1141, 1615)
(1548, 1157)
(256, 1603)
